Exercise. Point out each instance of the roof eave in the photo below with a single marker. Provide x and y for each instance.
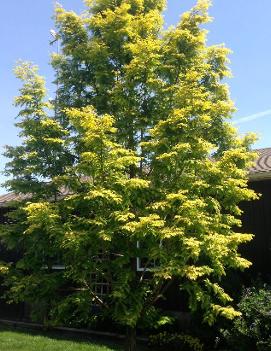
(259, 176)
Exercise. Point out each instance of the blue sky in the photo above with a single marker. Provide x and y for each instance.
(244, 27)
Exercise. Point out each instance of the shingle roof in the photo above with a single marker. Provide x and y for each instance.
(261, 170)
(6, 199)
(263, 162)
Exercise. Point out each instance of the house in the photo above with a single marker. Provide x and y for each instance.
(256, 216)
(256, 219)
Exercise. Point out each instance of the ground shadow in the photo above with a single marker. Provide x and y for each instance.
(67, 336)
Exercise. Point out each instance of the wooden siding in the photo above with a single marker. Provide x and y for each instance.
(256, 219)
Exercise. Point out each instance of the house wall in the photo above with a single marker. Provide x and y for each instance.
(256, 219)
(9, 311)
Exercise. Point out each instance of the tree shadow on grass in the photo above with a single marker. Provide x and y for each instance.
(67, 336)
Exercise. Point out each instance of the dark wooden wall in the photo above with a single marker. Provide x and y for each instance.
(257, 220)
(9, 311)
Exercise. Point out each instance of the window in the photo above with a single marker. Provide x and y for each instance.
(100, 285)
(143, 263)
(58, 267)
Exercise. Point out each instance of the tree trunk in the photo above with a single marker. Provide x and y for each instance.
(130, 342)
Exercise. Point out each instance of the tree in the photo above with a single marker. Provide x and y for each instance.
(154, 170)
(43, 153)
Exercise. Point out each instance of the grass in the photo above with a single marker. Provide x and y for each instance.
(26, 341)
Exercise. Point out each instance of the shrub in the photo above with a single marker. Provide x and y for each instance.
(252, 331)
(264, 345)
(175, 341)
(75, 311)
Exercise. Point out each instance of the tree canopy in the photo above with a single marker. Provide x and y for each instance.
(141, 144)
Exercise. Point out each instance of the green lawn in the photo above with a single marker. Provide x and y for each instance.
(23, 341)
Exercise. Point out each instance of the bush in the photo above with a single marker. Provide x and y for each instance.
(264, 345)
(75, 311)
(252, 331)
(178, 342)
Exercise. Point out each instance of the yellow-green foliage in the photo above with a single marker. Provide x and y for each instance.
(175, 341)
(151, 166)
